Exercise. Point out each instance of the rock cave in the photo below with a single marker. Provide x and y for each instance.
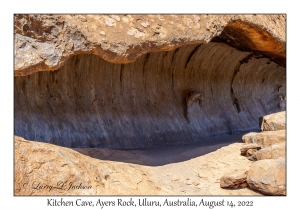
(106, 85)
(91, 102)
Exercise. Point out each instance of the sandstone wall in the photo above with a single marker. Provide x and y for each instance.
(99, 97)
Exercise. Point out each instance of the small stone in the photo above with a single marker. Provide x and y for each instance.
(54, 31)
(145, 24)
(251, 154)
(234, 179)
(189, 22)
(136, 33)
(25, 27)
(109, 21)
(116, 17)
(125, 19)
(196, 18)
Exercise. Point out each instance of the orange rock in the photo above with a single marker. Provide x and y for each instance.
(265, 138)
(273, 122)
(234, 179)
(274, 151)
(268, 176)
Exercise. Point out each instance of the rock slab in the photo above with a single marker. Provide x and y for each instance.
(272, 152)
(265, 138)
(234, 179)
(45, 169)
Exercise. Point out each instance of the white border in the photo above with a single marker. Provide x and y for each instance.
(8, 8)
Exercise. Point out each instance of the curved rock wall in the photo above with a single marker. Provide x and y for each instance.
(90, 102)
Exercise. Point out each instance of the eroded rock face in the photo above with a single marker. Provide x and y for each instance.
(45, 42)
(268, 176)
(90, 102)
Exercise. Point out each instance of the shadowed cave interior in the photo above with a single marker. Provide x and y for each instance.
(182, 96)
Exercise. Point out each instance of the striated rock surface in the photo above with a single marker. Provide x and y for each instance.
(92, 103)
(234, 179)
(266, 138)
(124, 81)
(268, 176)
(273, 122)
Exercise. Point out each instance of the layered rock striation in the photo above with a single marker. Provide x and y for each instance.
(127, 81)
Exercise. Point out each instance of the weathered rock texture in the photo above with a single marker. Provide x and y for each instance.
(268, 176)
(265, 138)
(273, 122)
(268, 149)
(251, 154)
(45, 169)
(274, 151)
(246, 147)
(45, 42)
(234, 179)
(90, 102)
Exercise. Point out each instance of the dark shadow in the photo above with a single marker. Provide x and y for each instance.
(162, 155)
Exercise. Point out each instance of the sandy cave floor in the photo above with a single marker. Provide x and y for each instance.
(193, 169)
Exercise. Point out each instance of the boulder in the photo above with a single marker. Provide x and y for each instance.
(274, 151)
(273, 122)
(234, 179)
(265, 138)
(268, 176)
